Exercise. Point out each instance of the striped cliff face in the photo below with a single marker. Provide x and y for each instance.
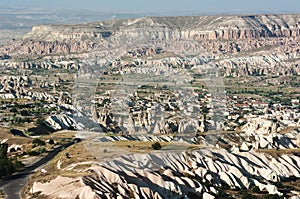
(200, 173)
(48, 39)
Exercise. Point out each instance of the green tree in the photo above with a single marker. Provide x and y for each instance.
(39, 121)
(42, 150)
(18, 164)
(3, 150)
(14, 110)
(6, 165)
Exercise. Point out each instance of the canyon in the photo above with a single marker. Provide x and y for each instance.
(224, 88)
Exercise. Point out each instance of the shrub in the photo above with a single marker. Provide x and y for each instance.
(33, 153)
(42, 150)
(18, 164)
(71, 128)
(39, 121)
(51, 142)
(67, 155)
(221, 193)
(256, 189)
(13, 110)
(156, 146)
(270, 196)
(246, 195)
(38, 142)
(25, 112)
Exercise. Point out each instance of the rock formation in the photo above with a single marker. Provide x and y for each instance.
(170, 175)
(241, 45)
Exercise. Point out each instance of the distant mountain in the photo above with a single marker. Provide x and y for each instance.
(45, 39)
(242, 45)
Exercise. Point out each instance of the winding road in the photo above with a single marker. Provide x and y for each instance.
(13, 185)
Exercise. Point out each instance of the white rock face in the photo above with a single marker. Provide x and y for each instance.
(59, 122)
(70, 118)
(208, 196)
(244, 147)
(173, 175)
(21, 87)
(71, 188)
(266, 135)
(15, 147)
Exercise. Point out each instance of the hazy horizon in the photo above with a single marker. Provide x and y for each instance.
(19, 16)
(163, 7)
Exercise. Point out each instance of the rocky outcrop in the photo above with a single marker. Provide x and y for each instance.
(202, 27)
(262, 65)
(44, 64)
(200, 174)
(41, 47)
(64, 39)
(240, 45)
(21, 87)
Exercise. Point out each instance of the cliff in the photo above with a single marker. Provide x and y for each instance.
(241, 45)
(201, 27)
(49, 39)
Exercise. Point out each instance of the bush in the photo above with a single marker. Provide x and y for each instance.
(13, 110)
(71, 128)
(256, 189)
(38, 142)
(67, 155)
(51, 142)
(246, 195)
(25, 112)
(19, 164)
(39, 121)
(42, 150)
(33, 153)
(273, 197)
(221, 193)
(156, 146)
